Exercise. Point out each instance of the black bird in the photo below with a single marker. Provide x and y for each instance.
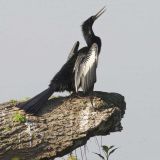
(62, 81)
(78, 71)
(87, 60)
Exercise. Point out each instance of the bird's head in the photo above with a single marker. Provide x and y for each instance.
(89, 22)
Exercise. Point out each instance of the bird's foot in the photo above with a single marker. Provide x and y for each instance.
(75, 95)
(90, 95)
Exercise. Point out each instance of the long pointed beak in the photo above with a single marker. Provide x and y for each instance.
(100, 13)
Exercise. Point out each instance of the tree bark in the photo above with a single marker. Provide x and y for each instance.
(64, 124)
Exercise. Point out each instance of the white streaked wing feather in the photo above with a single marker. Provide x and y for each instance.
(73, 50)
(77, 70)
(93, 57)
(85, 69)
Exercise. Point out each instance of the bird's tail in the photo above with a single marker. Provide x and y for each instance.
(34, 104)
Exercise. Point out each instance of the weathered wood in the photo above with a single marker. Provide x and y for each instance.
(64, 124)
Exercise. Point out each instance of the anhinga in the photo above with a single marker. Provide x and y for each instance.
(87, 60)
(78, 71)
(62, 81)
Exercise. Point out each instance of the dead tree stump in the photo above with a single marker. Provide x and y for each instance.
(64, 124)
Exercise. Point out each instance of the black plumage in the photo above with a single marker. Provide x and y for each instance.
(62, 81)
(87, 60)
(78, 71)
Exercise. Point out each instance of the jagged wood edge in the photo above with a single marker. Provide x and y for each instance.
(14, 139)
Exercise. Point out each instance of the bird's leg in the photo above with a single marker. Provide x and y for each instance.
(75, 95)
(91, 95)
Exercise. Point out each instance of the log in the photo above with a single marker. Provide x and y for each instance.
(63, 124)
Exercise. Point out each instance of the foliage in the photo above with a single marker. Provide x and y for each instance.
(17, 117)
(108, 150)
(24, 99)
(13, 102)
(7, 128)
(72, 157)
(15, 158)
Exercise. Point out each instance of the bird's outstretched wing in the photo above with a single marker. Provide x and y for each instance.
(73, 50)
(85, 69)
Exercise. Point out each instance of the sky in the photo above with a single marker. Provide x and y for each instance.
(36, 37)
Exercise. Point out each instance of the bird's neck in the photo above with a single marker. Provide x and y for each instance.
(88, 34)
(90, 37)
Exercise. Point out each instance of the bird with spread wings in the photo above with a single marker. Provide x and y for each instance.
(79, 71)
